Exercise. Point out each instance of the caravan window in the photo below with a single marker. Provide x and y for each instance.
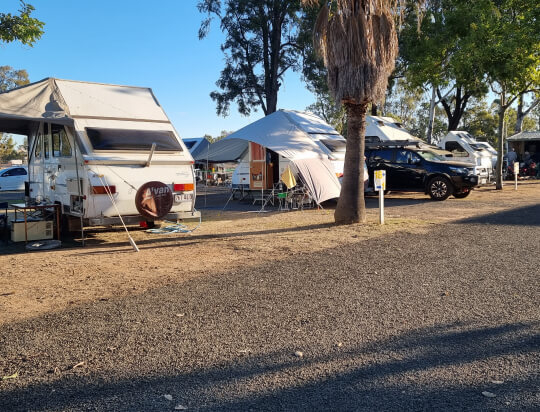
(334, 145)
(456, 149)
(124, 139)
(39, 141)
(60, 142)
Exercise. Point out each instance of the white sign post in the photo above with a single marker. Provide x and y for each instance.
(380, 185)
(516, 172)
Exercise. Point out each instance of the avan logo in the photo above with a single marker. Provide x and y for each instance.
(153, 192)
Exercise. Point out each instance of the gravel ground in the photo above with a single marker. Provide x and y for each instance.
(403, 321)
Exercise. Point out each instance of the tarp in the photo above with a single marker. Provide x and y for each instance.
(292, 135)
(197, 145)
(223, 151)
(62, 101)
(34, 102)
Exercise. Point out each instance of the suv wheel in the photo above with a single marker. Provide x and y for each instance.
(439, 188)
(462, 195)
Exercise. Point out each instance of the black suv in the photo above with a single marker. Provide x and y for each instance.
(411, 168)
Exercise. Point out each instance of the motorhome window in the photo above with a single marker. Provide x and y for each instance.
(123, 139)
(60, 142)
(334, 145)
(455, 148)
(384, 156)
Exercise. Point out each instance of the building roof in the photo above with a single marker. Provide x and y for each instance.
(524, 136)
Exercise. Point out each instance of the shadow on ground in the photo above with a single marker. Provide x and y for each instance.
(376, 376)
(521, 216)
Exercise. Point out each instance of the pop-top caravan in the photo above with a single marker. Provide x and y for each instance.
(101, 151)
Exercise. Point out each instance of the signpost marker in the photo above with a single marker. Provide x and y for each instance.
(516, 172)
(380, 185)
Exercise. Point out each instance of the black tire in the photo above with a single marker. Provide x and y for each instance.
(462, 195)
(439, 188)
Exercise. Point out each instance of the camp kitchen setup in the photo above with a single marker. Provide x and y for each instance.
(98, 154)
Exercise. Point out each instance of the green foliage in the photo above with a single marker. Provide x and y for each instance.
(329, 111)
(11, 78)
(481, 121)
(260, 46)
(21, 27)
(7, 148)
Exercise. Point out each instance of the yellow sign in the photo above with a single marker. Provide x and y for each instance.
(380, 179)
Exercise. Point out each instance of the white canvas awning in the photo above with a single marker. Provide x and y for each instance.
(64, 101)
(288, 133)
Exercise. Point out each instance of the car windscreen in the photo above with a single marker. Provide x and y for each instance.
(125, 139)
(431, 156)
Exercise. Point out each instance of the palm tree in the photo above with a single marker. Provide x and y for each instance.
(358, 42)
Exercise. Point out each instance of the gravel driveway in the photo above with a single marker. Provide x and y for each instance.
(447, 320)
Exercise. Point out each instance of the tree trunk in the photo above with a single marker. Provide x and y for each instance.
(351, 207)
(374, 109)
(500, 145)
(429, 132)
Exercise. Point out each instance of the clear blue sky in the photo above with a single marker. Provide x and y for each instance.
(139, 43)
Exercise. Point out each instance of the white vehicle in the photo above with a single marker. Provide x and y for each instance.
(466, 148)
(13, 178)
(93, 146)
(383, 129)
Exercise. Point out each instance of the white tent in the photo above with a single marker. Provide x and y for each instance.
(297, 136)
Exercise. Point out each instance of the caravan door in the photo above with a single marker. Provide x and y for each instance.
(58, 163)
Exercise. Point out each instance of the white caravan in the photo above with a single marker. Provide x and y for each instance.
(92, 146)
(464, 147)
(383, 129)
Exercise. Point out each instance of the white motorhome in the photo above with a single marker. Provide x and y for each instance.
(464, 147)
(92, 146)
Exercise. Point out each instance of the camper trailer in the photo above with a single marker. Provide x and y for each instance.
(94, 147)
(464, 147)
(382, 129)
(301, 141)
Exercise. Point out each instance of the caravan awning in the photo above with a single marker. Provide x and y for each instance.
(32, 103)
(288, 133)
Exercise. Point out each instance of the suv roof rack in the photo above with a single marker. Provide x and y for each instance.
(395, 143)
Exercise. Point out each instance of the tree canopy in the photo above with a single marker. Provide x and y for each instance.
(11, 78)
(260, 46)
(20, 27)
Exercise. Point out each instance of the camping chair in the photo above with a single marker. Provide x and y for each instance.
(4, 220)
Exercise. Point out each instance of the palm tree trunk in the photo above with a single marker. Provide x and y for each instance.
(351, 207)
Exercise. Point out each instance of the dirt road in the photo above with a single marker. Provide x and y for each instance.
(436, 310)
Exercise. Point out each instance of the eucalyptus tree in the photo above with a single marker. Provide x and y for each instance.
(20, 27)
(260, 46)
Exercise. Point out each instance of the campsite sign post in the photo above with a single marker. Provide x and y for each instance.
(380, 185)
(516, 172)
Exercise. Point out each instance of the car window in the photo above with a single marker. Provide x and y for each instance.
(7, 173)
(19, 171)
(402, 156)
(415, 158)
(384, 156)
